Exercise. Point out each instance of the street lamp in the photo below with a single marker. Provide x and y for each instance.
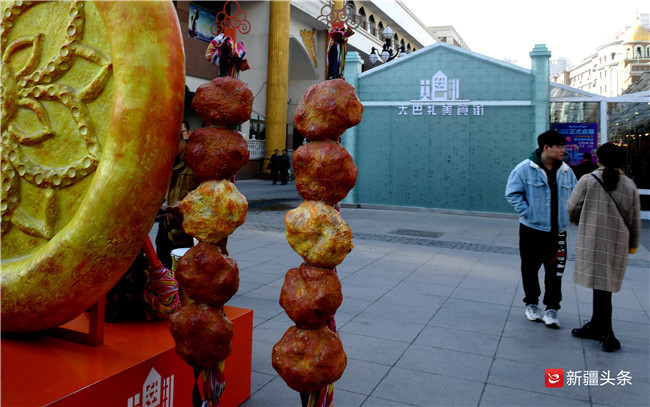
(387, 50)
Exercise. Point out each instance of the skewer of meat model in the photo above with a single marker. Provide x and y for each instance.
(310, 356)
(202, 332)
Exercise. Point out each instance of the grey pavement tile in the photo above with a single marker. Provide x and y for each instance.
(530, 377)
(411, 256)
(419, 285)
(377, 402)
(267, 292)
(426, 389)
(626, 302)
(468, 321)
(455, 259)
(274, 393)
(353, 306)
(343, 398)
(255, 276)
(439, 275)
(618, 361)
(271, 331)
(361, 292)
(387, 270)
(462, 341)
(499, 396)
(629, 315)
(483, 276)
(353, 264)
(413, 300)
(361, 376)
(485, 296)
(377, 328)
(261, 358)
(551, 349)
(398, 312)
(629, 329)
(446, 362)
(479, 308)
(367, 280)
(377, 350)
(243, 264)
(617, 395)
(264, 309)
(259, 380)
(245, 287)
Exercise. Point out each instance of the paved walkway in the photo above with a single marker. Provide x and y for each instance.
(432, 313)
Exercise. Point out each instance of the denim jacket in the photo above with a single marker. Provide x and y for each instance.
(530, 195)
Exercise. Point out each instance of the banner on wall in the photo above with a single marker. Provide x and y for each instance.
(580, 138)
(199, 23)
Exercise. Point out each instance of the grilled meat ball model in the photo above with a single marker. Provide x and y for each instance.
(202, 332)
(310, 356)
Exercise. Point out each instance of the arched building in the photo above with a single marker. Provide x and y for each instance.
(614, 66)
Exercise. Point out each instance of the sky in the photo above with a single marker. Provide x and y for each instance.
(509, 29)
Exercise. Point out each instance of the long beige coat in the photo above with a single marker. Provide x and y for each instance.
(603, 238)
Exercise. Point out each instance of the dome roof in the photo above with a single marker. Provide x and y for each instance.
(637, 33)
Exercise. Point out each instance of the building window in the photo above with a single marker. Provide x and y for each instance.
(362, 19)
(372, 27)
(380, 29)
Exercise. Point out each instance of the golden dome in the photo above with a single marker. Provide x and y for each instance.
(637, 33)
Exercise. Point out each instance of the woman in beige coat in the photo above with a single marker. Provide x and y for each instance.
(606, 207)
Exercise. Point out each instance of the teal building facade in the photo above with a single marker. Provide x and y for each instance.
(443, 127)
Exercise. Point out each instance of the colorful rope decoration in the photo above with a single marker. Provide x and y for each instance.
(161, 288)
(228, 55)
(211, 383)
(336, 48)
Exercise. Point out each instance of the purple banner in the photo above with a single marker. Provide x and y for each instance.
(580, 138)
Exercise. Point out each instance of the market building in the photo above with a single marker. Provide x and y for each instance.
(286, 45)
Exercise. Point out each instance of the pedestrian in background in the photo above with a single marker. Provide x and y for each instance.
(170, 234)
(285, 162)
(275, 165)
(585, 167)
(538, 189)
(607, 209)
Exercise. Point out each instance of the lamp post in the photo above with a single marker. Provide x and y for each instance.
(387, 50)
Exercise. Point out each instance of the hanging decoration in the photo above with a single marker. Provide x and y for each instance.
(224, 50)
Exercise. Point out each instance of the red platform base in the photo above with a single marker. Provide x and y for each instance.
(135, 367)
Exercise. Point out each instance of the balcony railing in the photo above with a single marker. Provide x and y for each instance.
(256, 148)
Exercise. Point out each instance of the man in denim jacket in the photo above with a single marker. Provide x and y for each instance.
(538, 189)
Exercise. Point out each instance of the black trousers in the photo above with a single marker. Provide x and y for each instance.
(538, 248)
(601, 319)
(274, 174)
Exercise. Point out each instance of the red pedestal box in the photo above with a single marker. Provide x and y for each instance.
(135, 367)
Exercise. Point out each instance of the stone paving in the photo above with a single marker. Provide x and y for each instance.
(433, 314)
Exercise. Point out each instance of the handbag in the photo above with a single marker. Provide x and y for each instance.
(610, 195)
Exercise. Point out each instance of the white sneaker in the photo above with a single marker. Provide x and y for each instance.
(550, 319)
(532, 313)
